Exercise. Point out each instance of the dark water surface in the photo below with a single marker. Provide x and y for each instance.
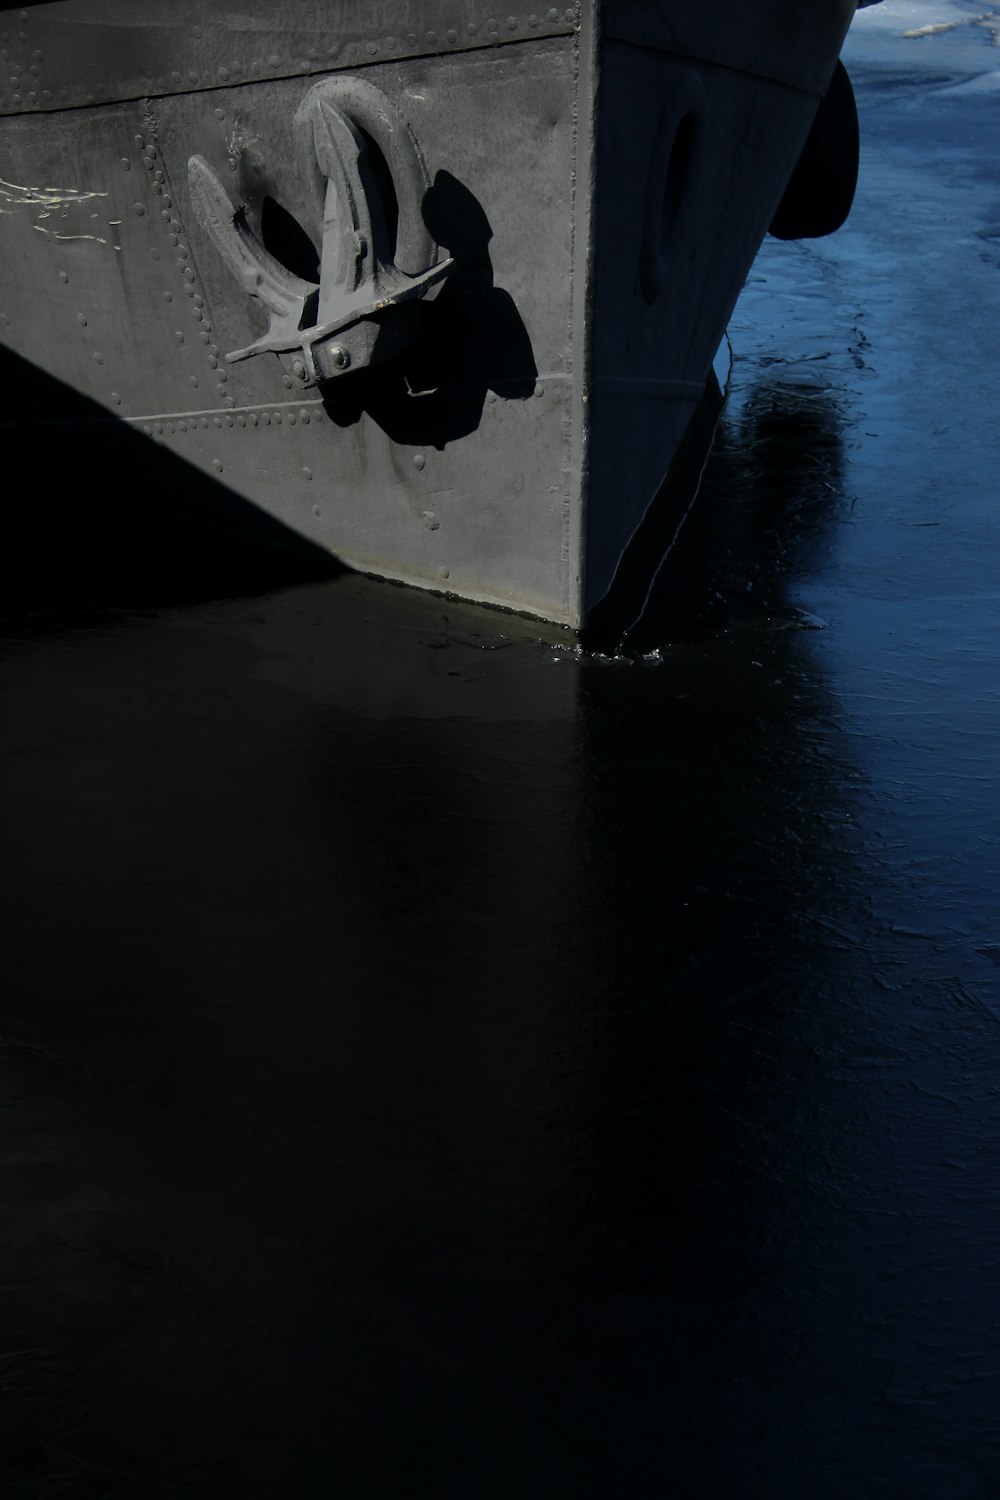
(437, 1063)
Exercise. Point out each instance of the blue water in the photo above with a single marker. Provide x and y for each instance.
(437, 1061)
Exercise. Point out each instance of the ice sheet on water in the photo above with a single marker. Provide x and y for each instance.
(955, 42)
(915, 19)
(982, 83)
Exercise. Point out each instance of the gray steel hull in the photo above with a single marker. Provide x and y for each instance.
(601, 179)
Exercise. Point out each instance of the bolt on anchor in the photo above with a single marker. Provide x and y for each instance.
(365, 307)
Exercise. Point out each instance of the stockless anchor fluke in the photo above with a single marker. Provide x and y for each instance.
(439, 298)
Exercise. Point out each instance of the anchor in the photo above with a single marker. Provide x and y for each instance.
(365, 308)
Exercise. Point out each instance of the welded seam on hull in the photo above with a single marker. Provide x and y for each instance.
(218, 411)
(651, 42)
(332, 65)
(567, 421)
(624, 388)
(579, 340)
(549, 378)
(715, 64)
(152, 127)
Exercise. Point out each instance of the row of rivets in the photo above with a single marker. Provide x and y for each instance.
(264, 419)
(492, 29)
(189, 287)
(274, 60)
(229, 419)
(150, 161)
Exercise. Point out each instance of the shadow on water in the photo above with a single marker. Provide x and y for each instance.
(417, 1074)
(770, 495)
(435, 1062)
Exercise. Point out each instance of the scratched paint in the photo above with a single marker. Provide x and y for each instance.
(439, 1061)
(46, 200)
(49, 197)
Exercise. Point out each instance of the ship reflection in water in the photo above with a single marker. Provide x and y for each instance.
(439, 1061)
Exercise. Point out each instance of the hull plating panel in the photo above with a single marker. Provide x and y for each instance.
(68, 53)
(450, 468)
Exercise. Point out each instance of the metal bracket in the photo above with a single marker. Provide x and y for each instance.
(362, 310)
